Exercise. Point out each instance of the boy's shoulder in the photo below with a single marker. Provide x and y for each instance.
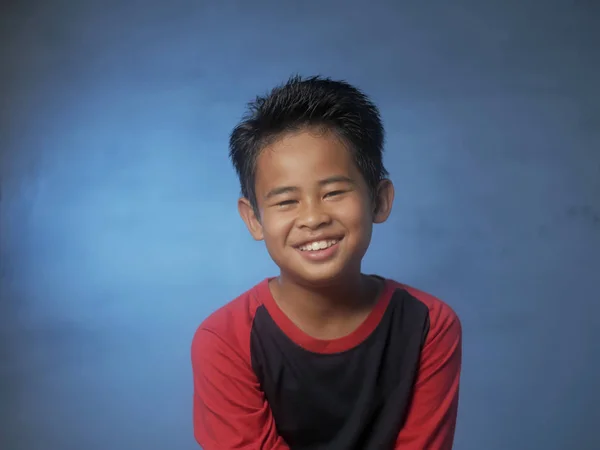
(242, 308)
(443, 320)
(438, 308)
(232, 322)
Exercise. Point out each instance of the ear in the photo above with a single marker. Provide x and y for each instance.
(383, 201)
(249, 217)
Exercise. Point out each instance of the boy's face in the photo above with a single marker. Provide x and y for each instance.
(316, 211)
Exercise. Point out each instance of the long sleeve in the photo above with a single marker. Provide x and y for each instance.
(431, 419)
(230, 411)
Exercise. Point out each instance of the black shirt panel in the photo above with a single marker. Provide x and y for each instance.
(353, 400)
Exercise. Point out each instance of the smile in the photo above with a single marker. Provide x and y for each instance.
(319, 251)
(318, 245)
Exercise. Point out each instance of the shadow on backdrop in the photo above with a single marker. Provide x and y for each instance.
(119, 231)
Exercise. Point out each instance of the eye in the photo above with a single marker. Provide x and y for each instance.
(334, 193)
(286, 203)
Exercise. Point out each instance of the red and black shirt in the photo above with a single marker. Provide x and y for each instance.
(262, 383)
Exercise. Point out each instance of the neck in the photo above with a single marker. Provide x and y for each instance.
(322, 305)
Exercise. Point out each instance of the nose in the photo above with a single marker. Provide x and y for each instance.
(312, 215)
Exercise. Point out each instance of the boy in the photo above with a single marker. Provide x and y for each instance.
(322, 356)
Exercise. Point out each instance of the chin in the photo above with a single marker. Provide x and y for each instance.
(319, 277)
(318, 274)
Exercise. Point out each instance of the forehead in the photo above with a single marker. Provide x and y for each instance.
(302, 158)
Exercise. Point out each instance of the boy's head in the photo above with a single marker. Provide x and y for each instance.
(309, 159)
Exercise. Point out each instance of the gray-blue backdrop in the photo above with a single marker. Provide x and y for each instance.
(119, 231)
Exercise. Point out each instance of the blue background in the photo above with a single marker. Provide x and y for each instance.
(119, 231)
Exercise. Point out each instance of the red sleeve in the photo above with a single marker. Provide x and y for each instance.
(230, 410)
(431, 418)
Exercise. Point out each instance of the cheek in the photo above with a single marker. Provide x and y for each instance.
(354, 215)
(276, 228)
(276, 231)
(358, 221)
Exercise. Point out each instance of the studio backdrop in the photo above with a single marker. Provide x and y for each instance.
(119, 231)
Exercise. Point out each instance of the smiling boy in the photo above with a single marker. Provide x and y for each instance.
(322, 356)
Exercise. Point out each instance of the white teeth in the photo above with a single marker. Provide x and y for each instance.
(318, 245)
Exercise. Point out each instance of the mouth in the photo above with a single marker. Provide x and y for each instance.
(320, 251)
(314, 246)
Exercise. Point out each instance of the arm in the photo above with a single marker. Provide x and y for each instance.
(431, 418)
(230, 410)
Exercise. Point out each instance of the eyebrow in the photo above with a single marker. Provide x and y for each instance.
(287, 189)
